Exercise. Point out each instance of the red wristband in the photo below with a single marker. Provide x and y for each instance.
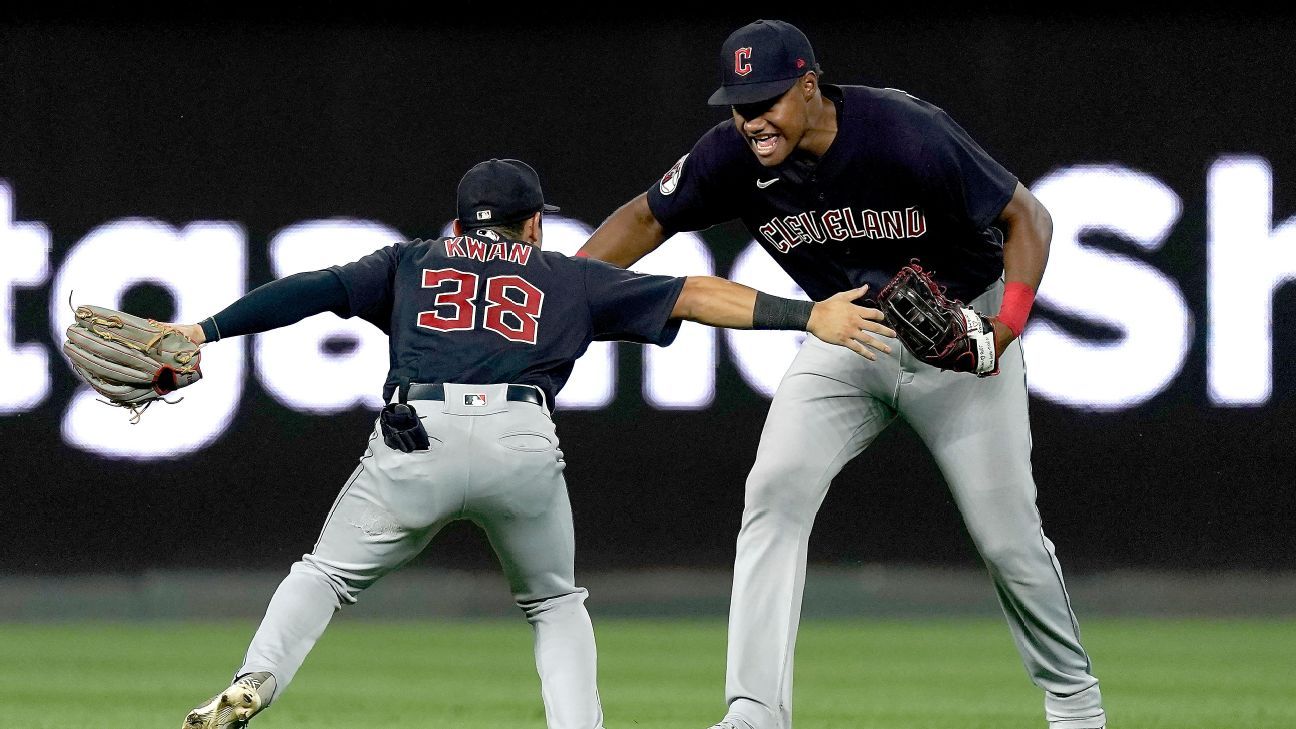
(1017, 301)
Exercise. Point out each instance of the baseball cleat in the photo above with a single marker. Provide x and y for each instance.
(233, 707)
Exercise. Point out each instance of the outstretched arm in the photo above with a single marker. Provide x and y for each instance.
(628, 234)
(277, 304)
(836, 320)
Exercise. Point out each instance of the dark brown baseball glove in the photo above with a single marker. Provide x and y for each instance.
(942, 332)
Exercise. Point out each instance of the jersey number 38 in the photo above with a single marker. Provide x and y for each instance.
(510, 305)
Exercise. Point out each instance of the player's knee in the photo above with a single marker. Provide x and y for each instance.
(783, 489)
(538, 609)
(346, 586)
(1007, 557)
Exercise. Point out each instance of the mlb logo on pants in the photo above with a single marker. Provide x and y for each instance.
(475, 400)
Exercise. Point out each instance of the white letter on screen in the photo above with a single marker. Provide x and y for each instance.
(763, 356)
(681, 376)
(1117, 290)
(24, 262)
(330, 381)
(204, 267)
(1248, 262)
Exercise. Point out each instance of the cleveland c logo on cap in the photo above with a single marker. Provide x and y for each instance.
(742, 58)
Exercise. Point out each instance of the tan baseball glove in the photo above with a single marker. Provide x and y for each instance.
(132, 362)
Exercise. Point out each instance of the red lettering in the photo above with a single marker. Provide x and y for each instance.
(793, 224)
(742, 61)
(852, 226)
(523, 308)
(792, 241)
(810, 224)
(917, 222)
(512, 308)
(458, 299)
(832, 220)
(872, 225)
(892, 224)
(519, 253)
(775, 237)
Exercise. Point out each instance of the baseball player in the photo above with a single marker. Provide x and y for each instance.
(843, 186)
(484, 330)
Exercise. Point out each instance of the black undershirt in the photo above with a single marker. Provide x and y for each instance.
(277, 304)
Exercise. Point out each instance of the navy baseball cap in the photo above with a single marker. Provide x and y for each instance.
(499, 192)
(760, 61)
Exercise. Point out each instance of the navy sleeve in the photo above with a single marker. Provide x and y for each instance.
(972, 182)
(277, 304)
(369, 284)
(691, 195)
(629, 306)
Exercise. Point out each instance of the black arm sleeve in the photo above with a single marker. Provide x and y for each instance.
(277, 304)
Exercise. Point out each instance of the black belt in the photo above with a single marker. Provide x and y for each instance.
(516, 393)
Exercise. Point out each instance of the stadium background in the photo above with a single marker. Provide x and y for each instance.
(1172, 514)
(273, 123)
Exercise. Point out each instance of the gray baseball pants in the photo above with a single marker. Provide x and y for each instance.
(497, 466)
(828, 408)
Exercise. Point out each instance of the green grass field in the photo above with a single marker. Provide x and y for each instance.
(920, 674)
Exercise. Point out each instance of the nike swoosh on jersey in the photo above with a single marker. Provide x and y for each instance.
(762, 184)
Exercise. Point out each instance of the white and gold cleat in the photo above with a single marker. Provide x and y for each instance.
(233, 707)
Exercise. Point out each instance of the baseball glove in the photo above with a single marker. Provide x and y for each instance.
(131, 361)
(942, 332)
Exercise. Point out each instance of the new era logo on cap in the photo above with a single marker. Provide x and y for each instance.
(483, 215)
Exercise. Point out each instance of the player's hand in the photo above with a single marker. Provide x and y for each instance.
(837, 320)
(1003, 337)
(193, 331)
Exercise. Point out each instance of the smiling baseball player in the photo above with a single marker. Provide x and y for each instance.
(845, 186)
(484, 331)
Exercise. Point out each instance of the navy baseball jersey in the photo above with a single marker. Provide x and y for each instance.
(481, 309)
(901, 180)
